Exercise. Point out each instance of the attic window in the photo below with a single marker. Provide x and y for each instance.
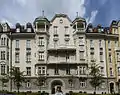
(61, 21)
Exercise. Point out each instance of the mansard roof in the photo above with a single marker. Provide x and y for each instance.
(61, 15)
(79, 19)
(41, 19)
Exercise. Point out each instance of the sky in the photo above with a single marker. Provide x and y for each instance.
(94, 11)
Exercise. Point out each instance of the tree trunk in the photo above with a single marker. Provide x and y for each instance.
(18, 89)
(95, 90)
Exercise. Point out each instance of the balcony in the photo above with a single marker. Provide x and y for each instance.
(61, 62)
(17, 49)
(62, 48)
(28, 48)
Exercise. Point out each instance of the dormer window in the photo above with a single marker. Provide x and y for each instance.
(28, 29)
(80, 25)
(18, 30)
(4, 27)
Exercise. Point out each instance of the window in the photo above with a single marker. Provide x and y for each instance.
(101, 56)
(91, 43)
(2, 41)
(66, 30)
(41, 70)
(41, 56)
(100, 43)
(17, 43)
(82, 83)
(68, 70)
(18, 30)
(111, 72)
(102, 70)
(28, 29)
(2, 69)
(41, 41)
(118, 71)
(108, 43)
(81, 55)
(82, 70)
(28, 71)
(67, 57)
(110, 58)
(2, 55)
(28, 44)
(92, 55)
(117, 56)
(56, 71)
(55, 30)
(81, 42)
(116, 43)
(28, 56)
(17, 57)
(28, 84)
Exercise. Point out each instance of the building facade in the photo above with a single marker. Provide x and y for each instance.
(61, 51)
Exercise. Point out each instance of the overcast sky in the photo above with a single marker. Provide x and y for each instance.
(94, 11)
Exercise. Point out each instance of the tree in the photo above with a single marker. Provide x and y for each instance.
(96, 76)
(40, 81)
(4, 79)
(17, 77)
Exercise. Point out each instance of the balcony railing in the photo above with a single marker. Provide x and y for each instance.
(62, 47)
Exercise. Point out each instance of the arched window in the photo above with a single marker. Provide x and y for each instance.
(80, 25)
(1, 41)
(2, 69)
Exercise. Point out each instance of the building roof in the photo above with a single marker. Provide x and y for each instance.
(41, 19)
(79, 19)
(61, 15)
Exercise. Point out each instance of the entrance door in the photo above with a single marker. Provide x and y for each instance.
(56, 86)
(111, 87)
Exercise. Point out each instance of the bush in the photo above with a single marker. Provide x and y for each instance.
(80, 91)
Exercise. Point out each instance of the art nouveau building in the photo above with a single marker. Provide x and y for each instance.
(61, 50)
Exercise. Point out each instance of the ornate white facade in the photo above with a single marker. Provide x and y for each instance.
(59, 50)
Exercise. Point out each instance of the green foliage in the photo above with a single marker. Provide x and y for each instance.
(40, 80)
(4, 79)
(17, 77)
(96, 76)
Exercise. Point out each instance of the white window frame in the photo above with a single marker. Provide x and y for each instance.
(17, 43)
(3, 69)
(82, 83)
(28, 43)
(28, 71)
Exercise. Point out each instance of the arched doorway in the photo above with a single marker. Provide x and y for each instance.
(55, 85)
(112, 87)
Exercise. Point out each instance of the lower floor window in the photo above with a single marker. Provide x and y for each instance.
(83, 83)
(28, 84)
